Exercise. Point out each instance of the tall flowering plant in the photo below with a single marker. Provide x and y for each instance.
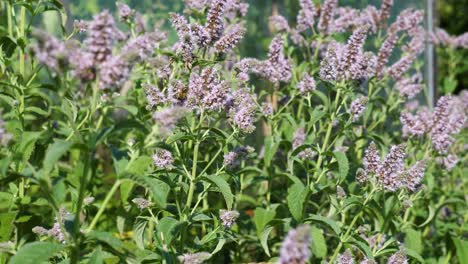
(122, 146)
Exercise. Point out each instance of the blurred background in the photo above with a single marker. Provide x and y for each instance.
(448, 14)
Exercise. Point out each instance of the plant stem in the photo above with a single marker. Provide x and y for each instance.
(327, 137)
(75, 255)
(348, 231)
(192, 179)
(22, 35)
(104, 204)
(10, 21)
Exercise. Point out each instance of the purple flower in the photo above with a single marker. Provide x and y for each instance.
(448, 162)
(346, 19)
(125, 12)
(80, 26)
(230, 39)
(153, 95)
(167, 118)
(50, 51)
(413, 125)
(141, 203)
(56, 233)
(194, 258)
(385, 9)
(228, 218)
(102, 32)
(398, 258)
(207, 90)
(243, 111)
(410, 87)
(267, 109)
(114, 72)
(407, 20)
(296, 246)
(307, 84)
(397, 70)
(186, 44)
(163, 159)
(326, 15)
(371, 159)
(82, 63)
(385, 52)
(357, 108)
(214, 24)
(448, 119)
(144, 45)
(413, 176)
(39, 230)
(5, 137)
(345, 258)
(279, 23)
(355, 45)
(306, 16)
(391, 168)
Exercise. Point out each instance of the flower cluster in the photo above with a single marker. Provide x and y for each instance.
(296, 246)
(390, 173)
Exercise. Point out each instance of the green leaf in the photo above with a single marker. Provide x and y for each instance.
(262, 217)
(109, 239)
(319, 246)
(158, 188)
(271, 146)
(139, 166)
(343, 164)
(36, 252)
(6, 225)
(7, 45)
(330, 223)
(264, 239)
(167, 229)
(296, 198)
(413, 240)
(97, 257)
(462, 249)
(54, 153)
(416, 256)
(224, 188)
(139, 234)
(315, 116)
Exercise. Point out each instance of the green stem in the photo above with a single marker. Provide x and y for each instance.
(192, 179)
(10, 21)
(104, 204)
(348, 231)
(327, 137)
(22, 35)
(75, 255)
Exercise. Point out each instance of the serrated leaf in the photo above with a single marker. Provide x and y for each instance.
(139, 166)
(264, 239)
(270, 148)
(413, 240)
(6, 225)
(36, 252)
(416, 256)
(296, 198)
(97, 257)
(107, 238)
(7, 45)
(262, 217)
(139, 234)
(54, 153)
(319, 246)
(327, 221)
(343, 164)
(223, 187)
(462, 249)
(167, 229)
(158, 188)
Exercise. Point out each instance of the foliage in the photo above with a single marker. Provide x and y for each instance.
(126, 143)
